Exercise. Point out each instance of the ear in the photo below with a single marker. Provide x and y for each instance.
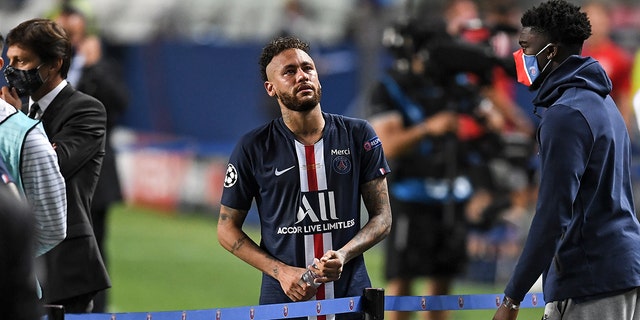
(57, 65)
(271, 91)
(552, 51)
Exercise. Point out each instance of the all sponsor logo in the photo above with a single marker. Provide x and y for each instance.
(325, 208)
(317, 213)
(285, 311)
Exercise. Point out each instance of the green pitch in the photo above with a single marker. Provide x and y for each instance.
(173, 262)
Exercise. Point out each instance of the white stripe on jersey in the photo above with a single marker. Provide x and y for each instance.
(319, 166)
(320, 243)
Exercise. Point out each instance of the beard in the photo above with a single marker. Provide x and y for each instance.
(293, 103)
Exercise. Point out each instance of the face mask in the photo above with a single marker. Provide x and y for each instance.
(26, 82)
(527, 66)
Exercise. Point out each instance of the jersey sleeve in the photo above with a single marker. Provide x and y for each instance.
(239, 181)
(44, 188)
(374, 163)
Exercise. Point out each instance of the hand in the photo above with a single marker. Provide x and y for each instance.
(10, 95)
(329, 266)
(293, 287)
(506, 313)
(441, 123)
(476, 206)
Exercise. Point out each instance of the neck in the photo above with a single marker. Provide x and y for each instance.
(47, 86)
(306, 126)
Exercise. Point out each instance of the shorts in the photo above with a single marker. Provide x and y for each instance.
(422, 243)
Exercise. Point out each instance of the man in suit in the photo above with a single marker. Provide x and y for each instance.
(95, 74)
(39, 53)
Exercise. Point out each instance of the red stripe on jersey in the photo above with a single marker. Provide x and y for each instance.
(312, 178)
(319, 252)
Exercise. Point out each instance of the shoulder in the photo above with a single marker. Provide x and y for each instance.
(258, 133)
(6, 109)
(347, 123)
(76, 104)
(360, 130)
(565, 120)
(259, 138)
(79, 97)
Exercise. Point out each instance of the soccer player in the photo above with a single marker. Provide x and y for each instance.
(307, 172)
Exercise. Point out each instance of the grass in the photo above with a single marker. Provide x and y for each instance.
(167, 262)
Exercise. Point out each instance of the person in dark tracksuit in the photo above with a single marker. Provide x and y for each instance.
(584, 236)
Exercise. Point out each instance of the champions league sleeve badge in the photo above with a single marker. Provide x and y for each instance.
(231, 176)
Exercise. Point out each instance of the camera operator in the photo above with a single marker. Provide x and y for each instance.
(438, 132)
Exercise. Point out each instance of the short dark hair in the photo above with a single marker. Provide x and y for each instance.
(276, 46)
(560, 20)
(45, 38)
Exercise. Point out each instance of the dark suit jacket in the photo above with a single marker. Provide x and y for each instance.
(75, 123)
(103, 82)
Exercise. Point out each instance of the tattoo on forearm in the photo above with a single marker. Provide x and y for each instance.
(376, 199)
(224, 217)
(238, 244)
(228, 215)
(376, 196)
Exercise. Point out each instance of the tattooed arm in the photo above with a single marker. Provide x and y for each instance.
(376, 198)
(235, 240)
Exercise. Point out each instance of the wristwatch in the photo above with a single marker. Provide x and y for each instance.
(510, 304)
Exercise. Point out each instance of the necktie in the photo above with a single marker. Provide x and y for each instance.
(34, 110)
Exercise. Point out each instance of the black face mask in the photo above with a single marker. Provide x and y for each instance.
(26, 82)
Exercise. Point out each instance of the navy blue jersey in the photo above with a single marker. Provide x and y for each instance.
(308, 197)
